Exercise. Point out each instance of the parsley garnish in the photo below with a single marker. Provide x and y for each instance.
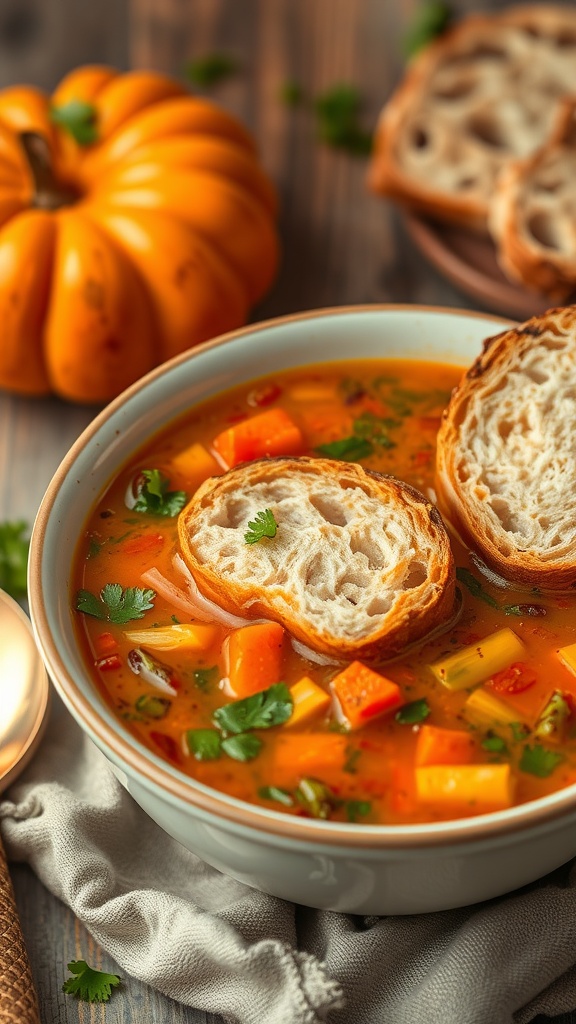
(280, 796)
(242, 747)
(115, 604)
(519, 731)
(14, 549)
(369, 431)
(204, 744)
(337, 113)
(432, 18)
(415, 711)
(352, 756)
(211, 69)
(263, 526)
(260, 711)
(539, 761)
(375, 428)
(475, 587)
(154, 498)
(78, 118)
(88, 984)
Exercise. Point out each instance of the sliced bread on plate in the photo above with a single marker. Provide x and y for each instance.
(480, 95)
(533, 213)
(506, 456)
(360, 565)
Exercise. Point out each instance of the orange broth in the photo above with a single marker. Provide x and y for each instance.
(321, 767)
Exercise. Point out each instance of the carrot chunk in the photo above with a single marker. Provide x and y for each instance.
(317, 754)
(269, 433)
(480, 787)
(255, 657)
(363, 694)
(443, 746)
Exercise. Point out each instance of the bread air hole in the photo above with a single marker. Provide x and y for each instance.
(370, 550)
(457, 89)
(542, 228)
(420, 138)
(417, 575)
(487, 129)
(330, 510)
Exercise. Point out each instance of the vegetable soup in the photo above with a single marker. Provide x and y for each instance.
(475, 718)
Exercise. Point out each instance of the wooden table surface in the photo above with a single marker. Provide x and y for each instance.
(341, 245)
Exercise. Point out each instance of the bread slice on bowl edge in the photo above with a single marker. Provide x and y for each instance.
(360, 566)
(481, 94)
(533, 213)
(506, 453)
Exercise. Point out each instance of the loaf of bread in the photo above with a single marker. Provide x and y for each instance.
(480, 95)
(506, 462)
(360, 566)
(533, 212)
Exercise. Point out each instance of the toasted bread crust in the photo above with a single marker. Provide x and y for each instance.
(360, 567)
(505, 467)
(533, 210)
(477, 97)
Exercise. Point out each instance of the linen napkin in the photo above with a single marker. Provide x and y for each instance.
(217, 945)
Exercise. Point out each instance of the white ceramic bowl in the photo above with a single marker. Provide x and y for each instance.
(368, 869)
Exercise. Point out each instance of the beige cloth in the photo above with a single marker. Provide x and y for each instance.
(219, 946)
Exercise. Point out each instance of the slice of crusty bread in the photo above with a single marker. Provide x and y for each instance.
(480, 95)
(533, 212)
(506, 462)
(360, 566)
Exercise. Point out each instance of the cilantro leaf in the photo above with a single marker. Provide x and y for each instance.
(260, 711)
(494, 744)
(357, 809)
(115, 604)
(204, 678)
(348, 449)
(475, 587)
(432, 18)
(14, 549)
(242, 747)
(263, 526)
(78, 118)
(537, 760)
(281, 796)
(337, 114)
(375, 428)
(211, 69)
(88, 984)
(154, 498)
(415, 711)
(204, 744)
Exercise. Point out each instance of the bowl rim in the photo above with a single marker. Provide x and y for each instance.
(127, 751)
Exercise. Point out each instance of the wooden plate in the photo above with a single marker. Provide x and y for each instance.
(469, 261)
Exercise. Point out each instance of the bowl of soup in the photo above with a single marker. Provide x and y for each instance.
(448, 785)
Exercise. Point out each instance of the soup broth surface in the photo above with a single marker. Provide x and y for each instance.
(384, 414)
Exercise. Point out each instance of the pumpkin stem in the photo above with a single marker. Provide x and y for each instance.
(49, 194)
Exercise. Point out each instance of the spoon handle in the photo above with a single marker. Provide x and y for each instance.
(18, 1003)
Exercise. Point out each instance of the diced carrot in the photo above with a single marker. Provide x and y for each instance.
(309, 700)
(317, 754)
(269, 433)
(254, 657)
(443, 746)
(195, 465)
(480, 787)
(105, 644)
(363, 694)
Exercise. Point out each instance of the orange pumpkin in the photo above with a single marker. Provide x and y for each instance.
(135, 222)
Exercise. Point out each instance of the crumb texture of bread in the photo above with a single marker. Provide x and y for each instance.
(482, 94)
(533, 212)
(360, 565)
(506, 461)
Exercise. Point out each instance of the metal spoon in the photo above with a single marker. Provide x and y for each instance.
(23, 704)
